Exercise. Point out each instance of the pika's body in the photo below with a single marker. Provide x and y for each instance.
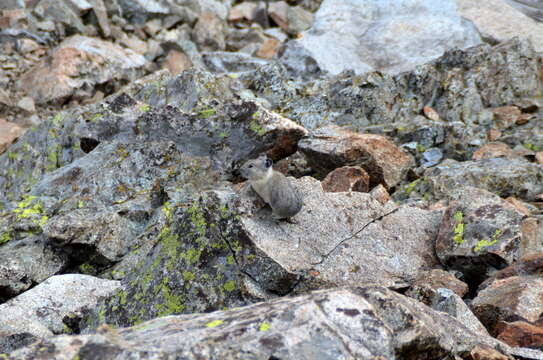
(273, 187)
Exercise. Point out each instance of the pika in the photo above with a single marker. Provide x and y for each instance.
(273, 187)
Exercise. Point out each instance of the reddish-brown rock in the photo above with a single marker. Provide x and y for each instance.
(177, 62)
(515, 297)
(494, 134)
(432, 280)
(505, 116)
(484, 352)
(9, 132)
(539, 157)
(493, 150)
(244, 11)
(332, 147)
(532, 238)
(521, 334)
(529, 265)
(347, 178)
(269, 48)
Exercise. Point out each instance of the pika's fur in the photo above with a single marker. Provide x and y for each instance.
(273, 187)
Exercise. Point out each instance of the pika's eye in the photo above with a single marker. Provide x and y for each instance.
(268, 163)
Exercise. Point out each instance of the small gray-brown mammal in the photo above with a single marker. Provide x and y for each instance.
(273, 187)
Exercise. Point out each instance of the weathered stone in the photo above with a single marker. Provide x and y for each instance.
(208, 32)
(503, 177)
(494, 134)
(482, 352)
(76, 66)
(388, 36)
(50, 307)
(244, 11)
(539, 157)
(332, 147)
(347, 178)
(380, 194)
(268, 49)
(480, 232)
(447, 301)
(519, 205)
(292, 19)
(522, 334)
(532, 237)
(9, 132)
(363, 323)
(27, 104)
(27, 262)
(530, 265)
(337, 236)
(63, 12)
(498, 21)
(436, 279)
(229, 62)
(493, 150)
(505, 116)
(513, 298)
(177, 62)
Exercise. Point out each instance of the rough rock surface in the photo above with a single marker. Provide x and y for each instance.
(388, 36)
(332, 147)
(363, 323)
(26, 263)
(347, 178)
(50, 307)
(513, 298)
(9, 132)
(76, 66)
(343, 239)
(431, 281)
(499, 20)
(480, 232)
(503, 177)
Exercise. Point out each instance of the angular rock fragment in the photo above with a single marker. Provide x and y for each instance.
(510, 299)
(50, 307)
(347, 178)
(364, 323)
(432, 281)
(480, 232)
(27, 262)
(9, 132)
(493, 150)
(332, 147)
(76, 66)
(503, 177)
(342, 239)
(388, 36)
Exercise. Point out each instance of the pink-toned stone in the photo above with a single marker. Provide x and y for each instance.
(380, 194)
(268, 49)
(244, 11)
(493, 150)
(347, 178)
(539, 157)
(9, 132)
(430, 113)
(485, 352)
(438, 278)
(505, 116)
(209, 32)
(494, 134)
(519, 205)
(177, 62)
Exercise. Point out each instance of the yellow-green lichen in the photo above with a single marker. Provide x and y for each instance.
(30, 208)
(421, 148)
(214, 323)
(230, 285)
(485, 242)
(459, 227)
(145, 108)
(531, 146)
(6, 236)
(205, 113)
(52, 157)
(411, 186)
(188, 276)
(265, 326)
(257, 128)
(96, 117)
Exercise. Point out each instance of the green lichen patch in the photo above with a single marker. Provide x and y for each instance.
(145, 108)
(214, 323)
(206, 113)
(459, 227)
(265, 326)
(31, 208)
(486, 242)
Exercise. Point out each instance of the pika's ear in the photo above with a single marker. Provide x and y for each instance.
(268, 163)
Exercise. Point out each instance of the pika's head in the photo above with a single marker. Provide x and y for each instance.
(257, 169)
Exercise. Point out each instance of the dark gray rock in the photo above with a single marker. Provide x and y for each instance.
(27, 262)
(504, 177)
(480, 233)
(363, 323)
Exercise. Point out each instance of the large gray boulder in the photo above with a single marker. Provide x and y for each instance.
(363, 323)
(388, 36)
